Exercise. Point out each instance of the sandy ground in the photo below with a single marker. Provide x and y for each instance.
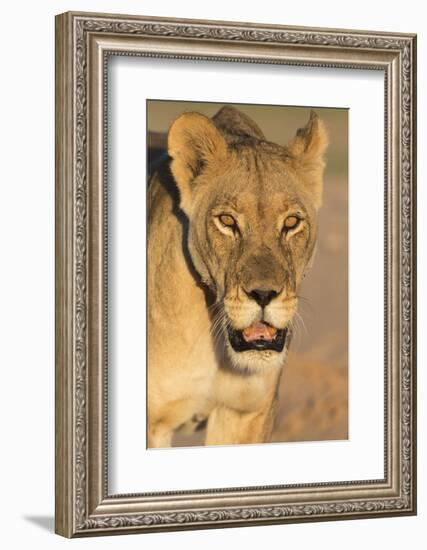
(313, 395)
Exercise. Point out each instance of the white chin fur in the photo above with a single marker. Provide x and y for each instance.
(253, 360)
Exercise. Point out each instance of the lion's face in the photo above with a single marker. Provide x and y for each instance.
(252, 210)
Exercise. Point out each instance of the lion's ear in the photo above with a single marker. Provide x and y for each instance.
(307, 150)
(193, 142)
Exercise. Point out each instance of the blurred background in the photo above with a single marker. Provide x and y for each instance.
(313, 394)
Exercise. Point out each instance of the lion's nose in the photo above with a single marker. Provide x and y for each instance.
(262, 297)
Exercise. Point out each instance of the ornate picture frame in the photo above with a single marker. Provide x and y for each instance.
(84, 43)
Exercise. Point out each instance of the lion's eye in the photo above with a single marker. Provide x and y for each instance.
(228, 221)
(291, 222)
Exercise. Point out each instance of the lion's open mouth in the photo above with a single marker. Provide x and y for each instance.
(259, 336)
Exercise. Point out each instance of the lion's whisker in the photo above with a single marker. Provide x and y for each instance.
(299, 317)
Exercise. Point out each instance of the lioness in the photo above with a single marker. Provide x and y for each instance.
(231, 234)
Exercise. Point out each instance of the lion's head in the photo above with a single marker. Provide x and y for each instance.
(252, 210)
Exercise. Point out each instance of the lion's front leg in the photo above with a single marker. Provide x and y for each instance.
(227, 426)
(159, 436)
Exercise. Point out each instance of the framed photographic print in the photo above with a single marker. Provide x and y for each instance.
(235, 274)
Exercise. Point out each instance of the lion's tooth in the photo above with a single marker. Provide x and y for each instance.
(272, 331)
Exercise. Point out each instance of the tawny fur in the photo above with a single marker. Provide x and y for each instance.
(200, 274)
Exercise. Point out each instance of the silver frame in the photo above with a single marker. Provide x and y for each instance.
(83, 43)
